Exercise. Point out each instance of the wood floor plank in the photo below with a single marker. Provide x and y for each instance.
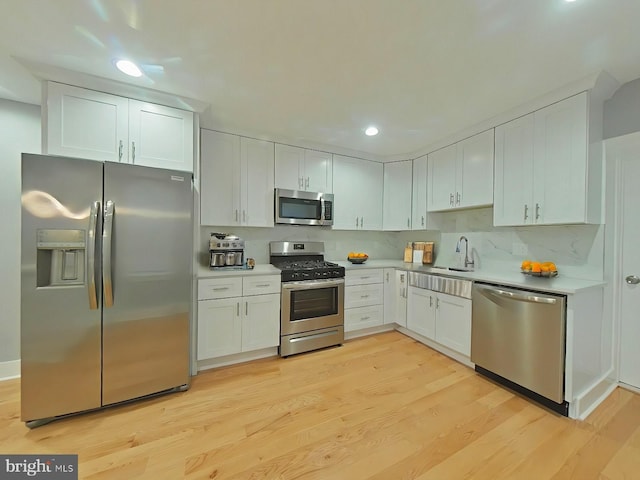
(379, 407)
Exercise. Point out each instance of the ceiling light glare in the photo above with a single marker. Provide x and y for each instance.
(569, 1)
(129, 68)
(371, 131)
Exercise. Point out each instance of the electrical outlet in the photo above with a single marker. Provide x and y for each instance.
(520, 248)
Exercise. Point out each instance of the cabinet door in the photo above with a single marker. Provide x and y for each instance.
(397, 195)
(160, 136)
(219, 327)
(419, 194)
(219, 178)
(474, 170)
(389, 300)
(442, 179)
(421, 312)
(257, 182)
(401, 298)
(288, 164)
(368, 186)
(560, 163)
(347, 198)
(513, 178)
(453, 323)
(87, 124)
(261, 322)
(318, 171)
(363, 317)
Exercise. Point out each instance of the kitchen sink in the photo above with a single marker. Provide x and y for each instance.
(453, 269)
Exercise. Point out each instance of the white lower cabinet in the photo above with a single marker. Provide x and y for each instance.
(363, 299)
(233, 320)
(395, 297)
(444, 318)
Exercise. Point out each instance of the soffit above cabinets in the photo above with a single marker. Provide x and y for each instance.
(321, 72)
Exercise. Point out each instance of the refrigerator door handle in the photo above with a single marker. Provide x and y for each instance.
(91, 256)
(106, 253)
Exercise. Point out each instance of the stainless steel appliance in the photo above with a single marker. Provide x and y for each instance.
(312, 300)
(226, 250)
(296, 207)
(106, 284)
(518, 339)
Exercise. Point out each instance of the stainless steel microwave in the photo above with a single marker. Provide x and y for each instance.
(296, 207)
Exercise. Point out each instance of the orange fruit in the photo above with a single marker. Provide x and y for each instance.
(552, 267)
(526, 265)
(544, 267)
(536, 267)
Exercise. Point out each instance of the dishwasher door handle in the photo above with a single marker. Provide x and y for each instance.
(521, 296)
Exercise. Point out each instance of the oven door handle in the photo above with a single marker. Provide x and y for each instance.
(312, 284)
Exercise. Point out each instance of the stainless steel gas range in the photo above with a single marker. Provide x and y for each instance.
(312, 300)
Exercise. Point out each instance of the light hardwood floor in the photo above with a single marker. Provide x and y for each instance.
(382, 407)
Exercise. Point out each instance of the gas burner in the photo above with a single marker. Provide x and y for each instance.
(303, 262)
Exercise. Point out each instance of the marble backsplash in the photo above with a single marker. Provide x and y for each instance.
(577, 250)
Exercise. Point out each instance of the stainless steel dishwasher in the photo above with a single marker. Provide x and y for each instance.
(518, 340)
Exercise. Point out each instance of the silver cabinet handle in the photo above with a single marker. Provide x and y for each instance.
(422, 221)
(632, 280)
(402, 278)
(120, 151)
(387, 276)
(403, 293)
(236, 215)
(262, 285)
(246, 308)
(364, 296)
(356, 222)
(458, 198)
(361, 221)
(106, 253)
(220, 289)
(237, 309)
(306, 185)
(451, 199)
(430, 301)
(408, 222)
(91, 256)
(364, 318)
(526, 211)
(537, 211)
(133, 152)
(437, 303)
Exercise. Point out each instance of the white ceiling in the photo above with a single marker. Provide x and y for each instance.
(320, 72)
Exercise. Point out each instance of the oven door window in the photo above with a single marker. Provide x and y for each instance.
(298, 208)
(318, 302)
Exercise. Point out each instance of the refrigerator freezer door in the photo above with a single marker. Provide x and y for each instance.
(60, 333)
(146, 328)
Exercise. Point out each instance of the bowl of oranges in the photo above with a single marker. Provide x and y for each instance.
(539, 269)
(357, 257)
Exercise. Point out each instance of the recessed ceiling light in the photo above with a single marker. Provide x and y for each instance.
(128, 67)
(569, 1)
(371, 131)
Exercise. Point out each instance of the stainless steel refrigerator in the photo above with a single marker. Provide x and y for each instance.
(106, 284)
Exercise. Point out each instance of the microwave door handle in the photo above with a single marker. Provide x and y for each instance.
(321, 210)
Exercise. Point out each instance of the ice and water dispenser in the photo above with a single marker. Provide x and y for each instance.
(61, 257)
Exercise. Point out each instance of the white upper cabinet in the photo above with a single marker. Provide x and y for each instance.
(358, 192)
(301, 169)
(545, 173)
(236, 180)
(461, 175)
(99, 126)
(160, 136)
(397, 195)
(419, 194)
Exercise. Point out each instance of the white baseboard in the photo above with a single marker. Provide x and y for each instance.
(9, 370)
(631, 388)
(237, 358)
(586, 401)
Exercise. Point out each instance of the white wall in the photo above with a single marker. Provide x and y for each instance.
(622, 110)
(19, 132)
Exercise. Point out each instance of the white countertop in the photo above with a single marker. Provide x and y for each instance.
(261, 269)
(515, 278)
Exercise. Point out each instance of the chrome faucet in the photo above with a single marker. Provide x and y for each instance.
(467, 262)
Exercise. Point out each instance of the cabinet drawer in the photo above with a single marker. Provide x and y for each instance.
(261, 284)
(211, 288)
(363, 295)
(362, 317)
(363, 277)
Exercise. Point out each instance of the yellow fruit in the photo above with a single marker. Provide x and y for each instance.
(544, 267)
(552, 267)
